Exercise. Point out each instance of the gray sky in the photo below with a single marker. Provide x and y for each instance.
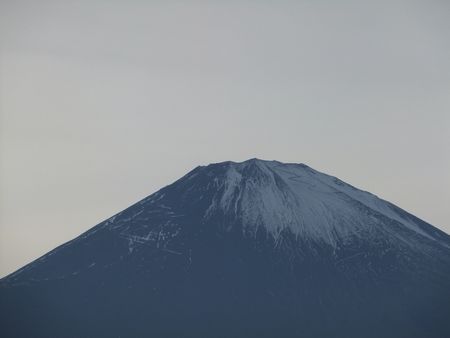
(105, 102)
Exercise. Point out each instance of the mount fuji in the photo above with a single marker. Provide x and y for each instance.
(251, 249)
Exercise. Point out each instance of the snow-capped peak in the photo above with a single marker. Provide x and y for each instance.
(297, 198)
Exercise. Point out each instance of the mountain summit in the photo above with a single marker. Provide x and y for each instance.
(251, 249)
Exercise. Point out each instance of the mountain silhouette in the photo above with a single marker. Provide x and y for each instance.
(251, 249)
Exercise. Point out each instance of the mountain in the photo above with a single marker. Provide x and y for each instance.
(251, 249)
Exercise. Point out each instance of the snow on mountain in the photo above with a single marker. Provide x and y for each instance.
(279, 197)
(294, 196)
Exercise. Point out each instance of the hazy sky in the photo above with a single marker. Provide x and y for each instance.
(104, 102)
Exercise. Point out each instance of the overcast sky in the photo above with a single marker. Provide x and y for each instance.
(105, 102)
